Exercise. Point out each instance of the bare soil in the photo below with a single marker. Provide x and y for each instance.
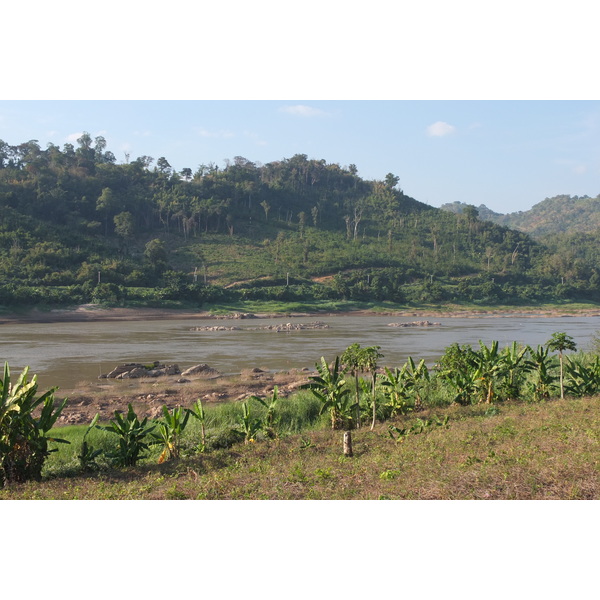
(149, 395)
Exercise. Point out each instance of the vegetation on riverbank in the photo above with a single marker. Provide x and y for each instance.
(484, 423)
(519, 451)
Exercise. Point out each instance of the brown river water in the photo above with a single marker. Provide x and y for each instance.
(65, 354)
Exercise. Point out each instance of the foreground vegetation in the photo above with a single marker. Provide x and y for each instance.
(520, 451)
(490, 422)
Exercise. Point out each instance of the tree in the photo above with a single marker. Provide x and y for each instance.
(368, 362)
(106, 203)
(163, 165)
(391, 180)
(560, 342)
(351, 362)
(124, 225)
(156, 253)
(266, 207)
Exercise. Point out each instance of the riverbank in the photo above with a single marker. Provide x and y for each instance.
(99, 313)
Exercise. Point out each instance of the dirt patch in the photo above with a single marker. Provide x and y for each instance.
(149, 395)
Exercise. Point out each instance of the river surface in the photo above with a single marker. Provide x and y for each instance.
(65, 354)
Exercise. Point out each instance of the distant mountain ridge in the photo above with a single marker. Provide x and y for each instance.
(560, 214)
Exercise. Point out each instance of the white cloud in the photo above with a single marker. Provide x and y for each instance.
(73, 137)
(213, 134)
(255, 138)
(301, 110)
(579, 169)
(440, 129)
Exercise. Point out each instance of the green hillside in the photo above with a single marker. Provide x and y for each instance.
(77, 227)
(560, 214)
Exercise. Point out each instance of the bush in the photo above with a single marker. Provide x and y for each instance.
(23, 437)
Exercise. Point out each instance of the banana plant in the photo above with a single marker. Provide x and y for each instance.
(8, 401)
(132, 434)
(249, 426)
(270, 405)
(330, 388)
(197, 411)
(516, 366)
(582, 379)
(395, 391)
(542, 367)
(23, 437)
(87, 454)
(415, 378)
(489, 364)
(169, 432)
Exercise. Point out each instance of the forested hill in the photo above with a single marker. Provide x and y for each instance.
(558, 215)
(75, 227)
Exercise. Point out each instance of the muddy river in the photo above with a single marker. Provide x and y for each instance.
(64, 354)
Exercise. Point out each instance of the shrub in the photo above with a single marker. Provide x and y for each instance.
(23, 436)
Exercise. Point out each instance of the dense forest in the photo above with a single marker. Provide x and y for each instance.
(77, 227)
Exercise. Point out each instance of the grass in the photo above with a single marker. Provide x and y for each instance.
(549, 450)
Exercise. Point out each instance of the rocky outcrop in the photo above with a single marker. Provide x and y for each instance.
(278, 328)
(284, 327)
(138, 370)
(200, 370)
(214, 328)
(415, 324)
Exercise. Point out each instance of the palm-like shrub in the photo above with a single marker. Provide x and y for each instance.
(330, 388)
(132, 435)
(560, 342)
(542, 369)
(169, 431)
(23, 429)
(582, 378)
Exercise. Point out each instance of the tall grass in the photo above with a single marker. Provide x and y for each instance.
(297, 413)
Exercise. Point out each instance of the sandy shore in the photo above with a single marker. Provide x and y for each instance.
(91, 312)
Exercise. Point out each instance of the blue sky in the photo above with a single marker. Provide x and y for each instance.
(483, 103)
(508, 155)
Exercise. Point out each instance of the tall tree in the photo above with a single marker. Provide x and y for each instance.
(560, 342)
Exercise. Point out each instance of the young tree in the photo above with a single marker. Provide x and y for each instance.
(560, 342)
(106, 203)
(351, 362)
(368, 362)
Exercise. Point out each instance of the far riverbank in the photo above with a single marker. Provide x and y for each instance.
(98, 313)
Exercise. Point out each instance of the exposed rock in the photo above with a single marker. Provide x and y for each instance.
(415, 324)
(284, 327)
(214, 328)
(135, 373)
(278, 328)
(137, 370)
(202, 369)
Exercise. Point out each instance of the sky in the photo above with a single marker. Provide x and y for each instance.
(482, 103)
(508, 155)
